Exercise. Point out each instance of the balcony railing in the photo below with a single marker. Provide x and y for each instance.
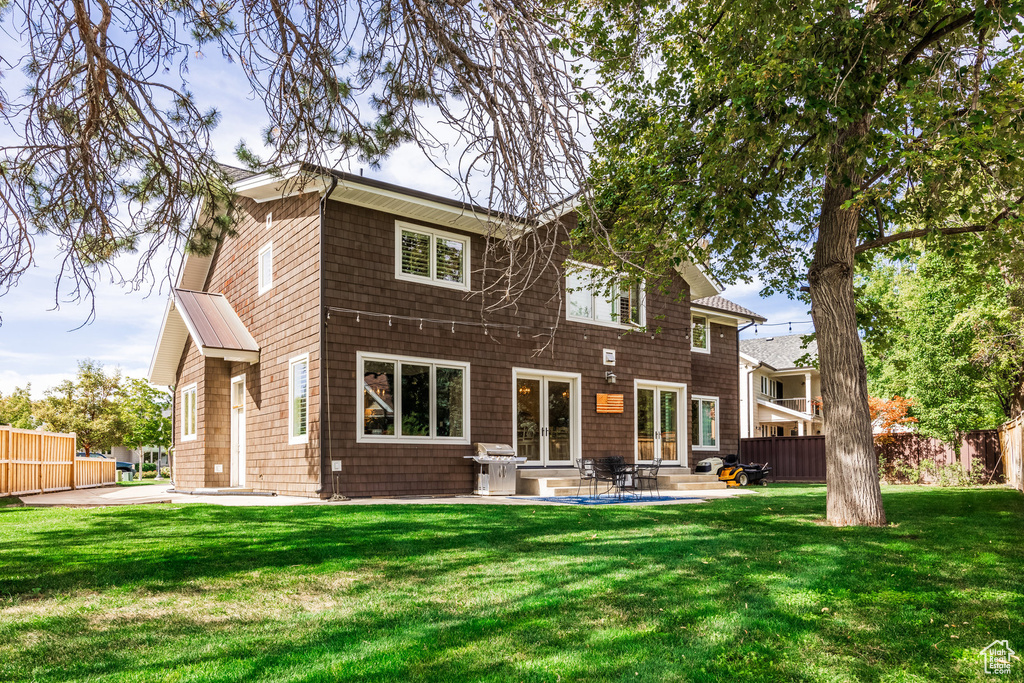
(798, 404)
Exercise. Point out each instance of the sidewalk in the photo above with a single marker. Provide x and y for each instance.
(160, 493)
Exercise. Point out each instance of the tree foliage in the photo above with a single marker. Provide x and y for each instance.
(142, 409)
(890, 414)
(114, 152)
(791, 140)
(16, 409)
(949, 335)
(87, 406)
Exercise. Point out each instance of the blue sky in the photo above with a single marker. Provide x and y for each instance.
(39, 342)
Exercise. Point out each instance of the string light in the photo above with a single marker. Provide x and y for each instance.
(517, 333)
(389, 321)
(357, 317)
(453, 327)
(421, 323)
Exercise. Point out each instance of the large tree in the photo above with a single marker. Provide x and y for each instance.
(16, 408)
(792, 139)
(87, 406)
(142, 408)
(108, 151)
(948, 334)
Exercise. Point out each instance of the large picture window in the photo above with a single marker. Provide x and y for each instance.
(700, 336)
(413, 400)
(189, 413)
(298, 400)
(592, 298)
(704, 423)
(431, 256)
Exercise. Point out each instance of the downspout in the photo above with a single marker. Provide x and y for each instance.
(325, 395)
(170, 451)
(748, 389)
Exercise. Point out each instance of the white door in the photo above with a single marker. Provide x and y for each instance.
(546, 418)
(238, 431)
(660, 422)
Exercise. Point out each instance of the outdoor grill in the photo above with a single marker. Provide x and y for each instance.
(497, 473)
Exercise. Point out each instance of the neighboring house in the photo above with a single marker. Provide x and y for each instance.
(346, 332)
(780, 389)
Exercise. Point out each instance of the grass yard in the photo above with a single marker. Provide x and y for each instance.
(746, 589)
(143, 482)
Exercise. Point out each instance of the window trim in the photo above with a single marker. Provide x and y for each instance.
(266, 250)
(294, 440)
(718, 428)
(193, 390)
(642, 293)
(434, 234)
(434, 363)
(707, 332)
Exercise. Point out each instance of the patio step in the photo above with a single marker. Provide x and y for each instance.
(553, 483)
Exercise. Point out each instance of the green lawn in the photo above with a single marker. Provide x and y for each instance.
(747, 589)
(143, 482)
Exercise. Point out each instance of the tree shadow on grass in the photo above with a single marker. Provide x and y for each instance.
(738, 589)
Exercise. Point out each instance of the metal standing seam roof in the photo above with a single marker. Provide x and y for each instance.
(212, 322)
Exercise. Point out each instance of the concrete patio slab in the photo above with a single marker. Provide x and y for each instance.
(163, 493)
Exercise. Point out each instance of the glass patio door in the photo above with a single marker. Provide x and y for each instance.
(658, 423)
(545, 419)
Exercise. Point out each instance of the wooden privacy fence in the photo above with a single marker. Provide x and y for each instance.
(42, 462)
(802, 458)
(1011, 440)
(792, 458)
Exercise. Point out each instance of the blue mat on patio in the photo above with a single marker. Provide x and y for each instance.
(603, 499)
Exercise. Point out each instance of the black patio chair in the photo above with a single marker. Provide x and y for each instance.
(605, 470)
(588, 473)
(647, 475)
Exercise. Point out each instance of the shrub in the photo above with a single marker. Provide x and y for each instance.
(148, 467)
(165, 472)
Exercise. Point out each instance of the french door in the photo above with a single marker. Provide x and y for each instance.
(660, 422)
(546, 417)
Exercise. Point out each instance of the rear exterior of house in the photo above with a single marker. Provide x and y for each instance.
(368, 369)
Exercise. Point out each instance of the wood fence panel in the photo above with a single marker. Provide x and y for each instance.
(1011, 440)
(90, 472)
(36, 462)
(792, 458)
(5, 459)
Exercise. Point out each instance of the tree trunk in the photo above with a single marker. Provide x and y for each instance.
(851, 468)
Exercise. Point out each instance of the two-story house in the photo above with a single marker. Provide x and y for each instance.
(780, 388)
(337, 343)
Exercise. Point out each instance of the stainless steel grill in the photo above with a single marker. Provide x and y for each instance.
(497, 473)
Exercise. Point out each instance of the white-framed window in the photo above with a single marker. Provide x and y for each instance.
(298, 399)
(704, 423)
(592, 297)
(265, 264)
(431, 256)
(412, 400)
(189, 413)
(700, 333)
(771, 388)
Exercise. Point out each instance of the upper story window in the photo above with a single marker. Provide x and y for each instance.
(700, 336)
(592, 298)
(265, 260)
(298, 400)
(771, 388)
(431, 256)
(188, 412)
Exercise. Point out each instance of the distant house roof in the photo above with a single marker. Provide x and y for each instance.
(720, 303)
(781, 353)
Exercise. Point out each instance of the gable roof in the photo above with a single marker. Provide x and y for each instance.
(781, 353)
(720, 303)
